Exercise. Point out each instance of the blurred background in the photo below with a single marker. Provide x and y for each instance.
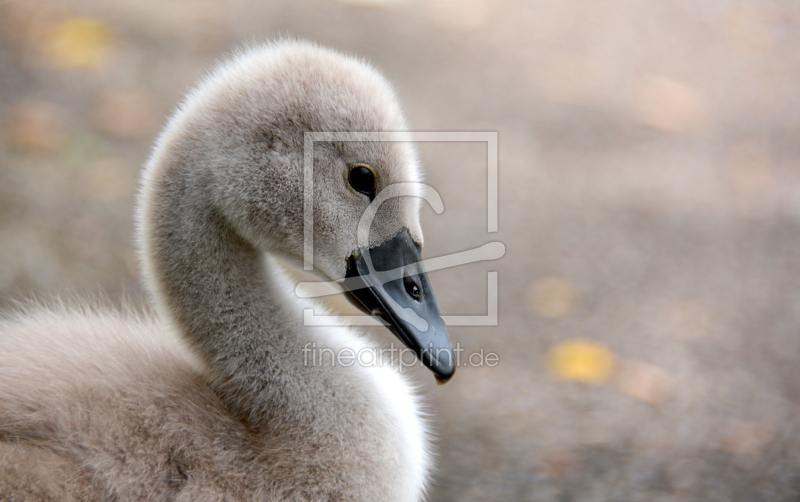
(648, 336)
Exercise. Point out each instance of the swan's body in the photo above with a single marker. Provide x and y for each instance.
(213, 398)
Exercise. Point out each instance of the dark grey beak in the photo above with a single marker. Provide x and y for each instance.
(389, 281)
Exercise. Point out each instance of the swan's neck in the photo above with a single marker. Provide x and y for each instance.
(232, 307)
(240, 314)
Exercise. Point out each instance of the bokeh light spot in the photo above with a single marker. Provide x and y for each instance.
(670, 106)
(578, 360)
(644, 381)
(36, 126)
(77, 42)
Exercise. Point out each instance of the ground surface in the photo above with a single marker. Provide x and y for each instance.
(649, 299)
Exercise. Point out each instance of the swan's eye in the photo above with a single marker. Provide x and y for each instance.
(362, 179)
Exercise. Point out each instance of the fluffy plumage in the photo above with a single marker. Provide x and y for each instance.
(211, 398)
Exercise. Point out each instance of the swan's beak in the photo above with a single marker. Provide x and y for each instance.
(389, 281)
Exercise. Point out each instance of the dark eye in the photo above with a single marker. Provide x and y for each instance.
(362, 179)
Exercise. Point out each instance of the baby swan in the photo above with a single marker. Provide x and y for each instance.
(216, 397)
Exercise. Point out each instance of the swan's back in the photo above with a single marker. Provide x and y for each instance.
(107, 402)
(108, 405)
(28, 473)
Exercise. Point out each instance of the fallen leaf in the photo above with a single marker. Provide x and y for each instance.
(578, 360)
(77, 42)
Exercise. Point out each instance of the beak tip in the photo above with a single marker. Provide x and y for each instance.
(441, 380)
(382, 282)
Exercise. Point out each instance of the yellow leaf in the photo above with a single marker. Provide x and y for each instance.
(579, 360)
(77, 42)
(552, 297)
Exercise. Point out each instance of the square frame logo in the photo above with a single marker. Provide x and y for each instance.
(489, 251)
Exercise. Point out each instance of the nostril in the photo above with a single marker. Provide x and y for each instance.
(412, 288)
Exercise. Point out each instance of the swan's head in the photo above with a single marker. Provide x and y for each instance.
(243, 135)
